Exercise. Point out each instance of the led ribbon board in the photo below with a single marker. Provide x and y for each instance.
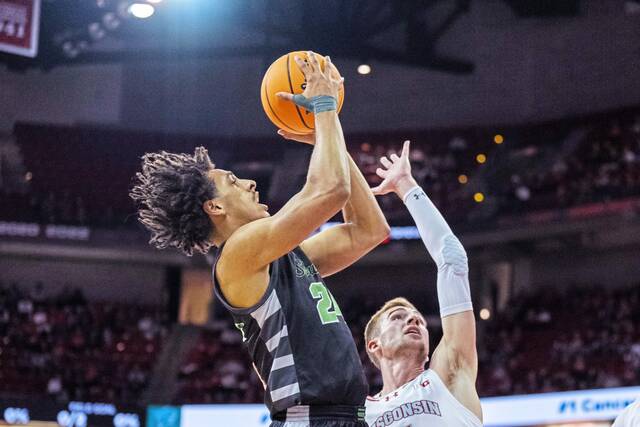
(562, 407)
(523, 410)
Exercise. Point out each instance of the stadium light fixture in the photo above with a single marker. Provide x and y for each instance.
(141, 10)
(364, 69)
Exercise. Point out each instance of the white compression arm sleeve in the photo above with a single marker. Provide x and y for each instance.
(454, 294)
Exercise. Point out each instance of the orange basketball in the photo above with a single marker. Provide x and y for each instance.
(284, 75)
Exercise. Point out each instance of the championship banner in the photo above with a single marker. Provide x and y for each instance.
(19, 27)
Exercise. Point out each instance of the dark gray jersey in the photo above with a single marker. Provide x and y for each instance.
(298, 340)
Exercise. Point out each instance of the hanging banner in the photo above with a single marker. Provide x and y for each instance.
(19, 27)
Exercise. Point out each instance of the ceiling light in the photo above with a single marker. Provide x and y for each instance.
(141, 10)
(364, 69)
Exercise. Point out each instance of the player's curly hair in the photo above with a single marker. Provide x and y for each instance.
(170, 192)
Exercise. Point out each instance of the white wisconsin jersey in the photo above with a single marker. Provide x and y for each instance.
(630, 417)
(422, 402)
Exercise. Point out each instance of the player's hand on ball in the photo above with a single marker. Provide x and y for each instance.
(309, 138)
(396, 174)
(318, 82)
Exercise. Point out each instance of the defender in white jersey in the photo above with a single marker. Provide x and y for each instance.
(629, 417)
(397, 339)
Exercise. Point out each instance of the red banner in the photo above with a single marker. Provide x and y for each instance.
(19, 26)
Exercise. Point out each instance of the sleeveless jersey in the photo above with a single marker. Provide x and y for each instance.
(299, 343)
(423, 401)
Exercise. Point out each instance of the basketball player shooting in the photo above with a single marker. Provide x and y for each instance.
(396, 336)
(268, 271)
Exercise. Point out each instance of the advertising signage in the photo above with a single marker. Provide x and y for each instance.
(602, 405)
(563, 407)
(73, 414)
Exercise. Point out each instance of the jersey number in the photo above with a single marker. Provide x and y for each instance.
(327, 306)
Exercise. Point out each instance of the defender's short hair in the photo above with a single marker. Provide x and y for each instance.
(372, 330)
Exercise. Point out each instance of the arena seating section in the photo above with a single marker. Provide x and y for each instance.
(82, 176)
(67, 348)
(537, 345)
(551, 341)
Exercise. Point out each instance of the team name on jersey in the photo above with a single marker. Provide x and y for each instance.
(304, 270)
(407, 410)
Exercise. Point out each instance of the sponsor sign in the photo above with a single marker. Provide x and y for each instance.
(563, 407)
(524, 410)
(17, 412)
(224, 415)
(51, 231)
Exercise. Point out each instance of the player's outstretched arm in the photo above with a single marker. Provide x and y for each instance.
(364, 226)
(455, 358)
(252, 247)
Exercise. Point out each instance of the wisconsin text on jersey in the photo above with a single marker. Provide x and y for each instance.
(407, 410)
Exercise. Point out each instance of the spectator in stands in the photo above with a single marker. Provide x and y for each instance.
(588, 353)
(62, 346)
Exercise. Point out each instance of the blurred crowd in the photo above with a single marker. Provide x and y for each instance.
(603, 165)
(69, 349)
(218, 369)
(436, 166)
(52, 208)
(554, 341)
(537, 345)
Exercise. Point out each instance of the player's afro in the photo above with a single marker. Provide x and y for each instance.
(170, 192)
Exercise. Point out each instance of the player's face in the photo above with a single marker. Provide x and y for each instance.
(403, 330)
(238, 197)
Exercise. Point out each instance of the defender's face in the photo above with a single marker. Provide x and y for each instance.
(238, 197)
(403, 330)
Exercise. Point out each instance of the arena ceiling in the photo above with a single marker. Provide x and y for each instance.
(402, 32)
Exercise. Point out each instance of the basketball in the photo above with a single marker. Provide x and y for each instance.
(284, 75)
